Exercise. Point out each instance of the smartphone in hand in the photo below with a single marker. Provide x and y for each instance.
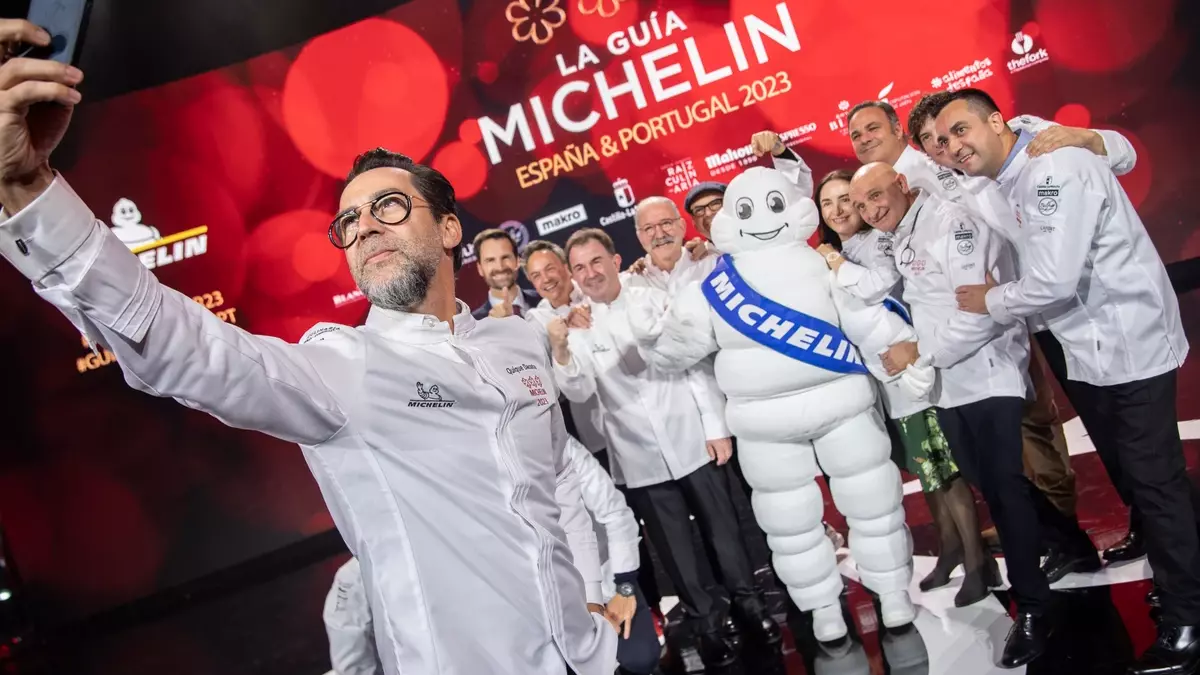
(65, 21)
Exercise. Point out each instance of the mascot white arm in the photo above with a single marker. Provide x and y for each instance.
(674, 335)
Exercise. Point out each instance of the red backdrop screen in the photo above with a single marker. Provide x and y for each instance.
(547, 115)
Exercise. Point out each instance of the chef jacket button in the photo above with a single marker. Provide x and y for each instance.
(430, 321)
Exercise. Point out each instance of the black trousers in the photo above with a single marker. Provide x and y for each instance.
(666, 508)
(985, 438)
(640, 653)
(1135, 428)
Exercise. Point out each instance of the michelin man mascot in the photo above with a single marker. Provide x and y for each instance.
(798, 392)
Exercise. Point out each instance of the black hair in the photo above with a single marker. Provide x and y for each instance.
(494, 233)
(590, 234)
(980, 102)
(886, 107)
(925, 109)
(431, 185)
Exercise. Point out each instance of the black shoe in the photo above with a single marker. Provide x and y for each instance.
(763, 629)
(1154, 597)
(1026, 640)
(1131, 547)
(715, 652)
(978, 583)
(756, 623)
(940, 576)
(1175, 652)
(1059, 564)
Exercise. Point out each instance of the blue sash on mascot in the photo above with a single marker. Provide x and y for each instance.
(898, 309)
(782, 329)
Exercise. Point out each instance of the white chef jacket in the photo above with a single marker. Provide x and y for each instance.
(441, 464)
(657, 422)
(347, 613)
(347, 616)
(588, 415)
(1090, 270)
(685, 272)
(939, 247)
(616, 528)
(869, 271)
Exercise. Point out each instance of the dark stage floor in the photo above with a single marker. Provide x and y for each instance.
(273, 627)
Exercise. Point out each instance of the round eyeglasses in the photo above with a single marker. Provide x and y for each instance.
(390, 208)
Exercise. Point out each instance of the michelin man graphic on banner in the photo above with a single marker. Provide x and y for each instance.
(799, 392)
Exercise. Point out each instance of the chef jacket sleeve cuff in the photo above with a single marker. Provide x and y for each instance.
(995, 305)
(44, 234)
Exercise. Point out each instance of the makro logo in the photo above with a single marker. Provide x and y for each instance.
(148, 244)
(967, 76)
(1023, 47)
(554, 222)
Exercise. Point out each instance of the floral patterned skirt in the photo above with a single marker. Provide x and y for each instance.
(926, 452)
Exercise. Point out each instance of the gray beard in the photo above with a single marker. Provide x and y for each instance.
(405, 290)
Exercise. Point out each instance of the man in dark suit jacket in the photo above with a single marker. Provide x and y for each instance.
(497, 262)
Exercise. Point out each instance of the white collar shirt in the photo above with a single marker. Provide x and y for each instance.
(657, 423)
(439, 452)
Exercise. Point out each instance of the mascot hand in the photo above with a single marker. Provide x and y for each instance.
(646, 316)
(918, 378)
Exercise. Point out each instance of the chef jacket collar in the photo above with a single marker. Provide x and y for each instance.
(419, 328)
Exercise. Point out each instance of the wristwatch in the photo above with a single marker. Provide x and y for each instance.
(832, 255)
(625, 590)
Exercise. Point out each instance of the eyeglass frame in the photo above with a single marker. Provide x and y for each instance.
(663, 224)
(712, 207)
(409, 205)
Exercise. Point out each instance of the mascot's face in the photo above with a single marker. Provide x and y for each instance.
(762, 209)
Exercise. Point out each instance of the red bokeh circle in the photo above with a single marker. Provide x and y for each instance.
(468, 131)
(355, 89)
(1074, 115)
(465, 166)
(1102, 35)
(279, 267)
(314, 258)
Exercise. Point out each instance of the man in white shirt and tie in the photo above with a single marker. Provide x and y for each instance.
(667, 433)
(435, 440)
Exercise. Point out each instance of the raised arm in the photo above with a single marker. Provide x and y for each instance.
(1061, 229)
(348, 624)
(1109, 144)
(673, 337)
(793, 166)
(165, 343)
(574, 372)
